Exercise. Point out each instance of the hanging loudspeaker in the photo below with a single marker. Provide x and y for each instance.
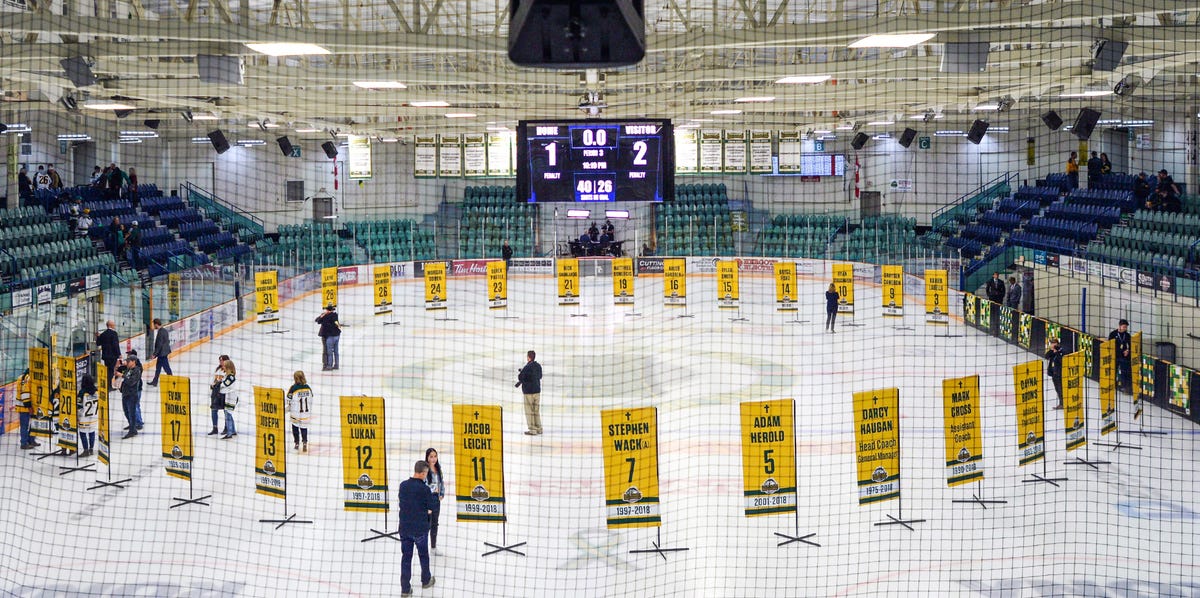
(330, 149)
(907, 137)
(978, 130)
(1085, 122)
(859, 141)
(1053, 120)
(151, 123)
(218, 140)
(285, 145)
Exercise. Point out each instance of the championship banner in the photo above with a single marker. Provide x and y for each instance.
(936, 297)
(622, 273)
(41, 423)
(68, 438)
(329, 287)
(892, 278)
(769, 456)
(175, 393)
(877, 438)
(964, 437)
(383, 290)
(270, 455)
(843, 282)
(436, 292)
(1074, 419)
(1135, 372)
(675, 282)
(267, 296)
(631, 466)
(102, 431)
(1108, 387)
(1031, 423)
(497, 282)
(173, 287)
(728, 291)
(568, 281)
(364, 463)
(479, 462)
(786, 294)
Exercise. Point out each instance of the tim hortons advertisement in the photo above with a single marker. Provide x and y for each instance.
(468, 268)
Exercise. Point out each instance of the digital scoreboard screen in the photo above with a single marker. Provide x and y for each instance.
(595, 160)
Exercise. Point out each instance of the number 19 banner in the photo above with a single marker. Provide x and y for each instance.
(622, 273)
(479, 463)
(364, 461)
(769, 456)
(631, 466)
(175, 392)
(270, 459)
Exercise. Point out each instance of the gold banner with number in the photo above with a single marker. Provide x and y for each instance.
(175, 394)
(383, 290)
(497, 282)
(769, 456)
(266, 293)
(174, 282)
(364, 460)
(436, 293)
(786, 293)
(937, 299)
(877, 442)
(102, 428)
(39, 392)
(728, 289)
(892, 278)
(630, 438)
(843, 282)
(1074, 418)
(1147, 379)
(270, 455)
(1135, 371)
(329, 287)
(1108, 387)
(964, 437)
(568, 281)
(675, 282)
(622, 273)
(1031, 420)
(68, 438)
(479, 462)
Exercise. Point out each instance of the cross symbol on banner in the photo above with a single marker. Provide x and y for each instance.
(627, 415)
(477, 415)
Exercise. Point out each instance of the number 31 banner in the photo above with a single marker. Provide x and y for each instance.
(479, 462)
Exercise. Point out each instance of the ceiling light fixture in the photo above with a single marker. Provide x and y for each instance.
(199, 140)
(948, 134)
(430, 104)
(1087, 93)
(107, 105)
(380, 85)
(460, 115)
(803, 79)
(900, 40)
(246, 142)
(308, 130)
(141, 134)
(754, 99)
(287, 49)
(724, 112)
(881, 123)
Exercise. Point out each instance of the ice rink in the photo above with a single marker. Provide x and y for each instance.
(1128, 528)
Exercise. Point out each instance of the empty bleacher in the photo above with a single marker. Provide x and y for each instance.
(490, 215)
(393, 240)
(799, 235)
(697, 222)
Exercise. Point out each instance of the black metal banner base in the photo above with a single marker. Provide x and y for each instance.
(380, 535)
(686, 316)
(496, 548)
(282, 522)
(852, 325)
(445, 319)
(190, 501)
(1119, 445)
(739, 319)
(1144, 432)
(633, 314)
(1035, 478)
(54, 453)
(797, 321)
(579, 315)
(62, 470)
(508, 317)
(391, 323)
(277, 331)
(947, 336)
(1082, 461)
(982, 502)
(660, 551)
(791, 539)
(119, 484)
(904, 522)
(903, 328)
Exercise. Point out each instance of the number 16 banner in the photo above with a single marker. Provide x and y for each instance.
(479, 462)
(769, 456)
(631, 466)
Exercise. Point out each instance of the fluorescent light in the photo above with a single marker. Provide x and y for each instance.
(145, 134)
(497, 128)
(1087, 93)
(308, 130)
(948, 134)
(822, 132)
(287, 49)
(264, 125)
(827, 137)
(18, 128)
(105, 105)
(845, 127)
(998, 130)
(460, 115)
(616, 214)
(880, 123)
(430, 104)
(245, 142)
(578, 214)
(798, 79)
(129, 140)
(754, 99)
(201, 140)
(1138, 123)
(74, 137)
(204, 117)
(705, 120)
(986, 107)
(901, 40)
(389, 139)
(883, 136)
(380, 85)
(720, 112)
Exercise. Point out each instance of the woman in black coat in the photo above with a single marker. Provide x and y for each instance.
(831, 306)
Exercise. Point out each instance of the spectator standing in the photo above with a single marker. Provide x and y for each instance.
(437, 485)
(134, 200)
(97, 174)
(133, 241)
(506, 253)
(216, 399)
(84, 225)
(299, 406)
(86, 411)
(162, 349)
(831, 306)
(1124, 346)
(1094, 166)
(229, 389)
(24, 409)
(995, 288)
(116, 180)
(1013, 297)
(42, 179)
(1142, 190)
(416, 503)
(1054, 357)
(55, 180)
(1073, 170)
(1105, 164)
(529, 380)
(24, 186)
(131, 394)
(330, 334)
(110, 346)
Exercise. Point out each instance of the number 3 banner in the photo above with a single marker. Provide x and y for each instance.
(479, 462)
(270, 469)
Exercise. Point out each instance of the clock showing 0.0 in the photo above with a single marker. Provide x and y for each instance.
(595, 161)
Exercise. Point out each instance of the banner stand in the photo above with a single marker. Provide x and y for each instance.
(64, 470)
(378, 534)
(504, 546)
(1118, 444)
(738, 317)
(978, 499)
(1045, 477)
(191, 500)
(446, 319)
(277, 329)
(1086, 460)
(657, 544)
(796, 538)
(119, 484)
(104, 446)
(899, 518)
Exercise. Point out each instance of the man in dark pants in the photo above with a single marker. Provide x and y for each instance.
(110, 346)
(529, 380)
(330, 334)
(1094, 168)
(1054, 368)
(416, 502)
(995, 288)
(162, 348)
(131, 395)
(1124, 346)
(506, 253)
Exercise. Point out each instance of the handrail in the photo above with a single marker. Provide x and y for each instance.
(193, 192)
(1005, 178)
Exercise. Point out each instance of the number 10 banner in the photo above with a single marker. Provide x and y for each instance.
(631, 466)
(479, 462)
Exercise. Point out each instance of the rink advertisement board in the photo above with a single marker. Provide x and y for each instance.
(877, 444)
(1108, 387)
(175, 394)
(843, 283)
(964, 437)
(769, 456)
(479, 462)
(630, 441)
(40, 423)
(622, 278)
(68, 438)
(970, 308)
(786, 293)
(364, 457)
(270, 455)
(567, 276)
(436, 292)
(892, 279)
(1031, 423)
(383, 290)
(329, 287)
(728, 289)
(674, 283)
(497, 285)
(937, 297)
(1074, 418)
(102, 428)
(1024, 330)
(266, 295)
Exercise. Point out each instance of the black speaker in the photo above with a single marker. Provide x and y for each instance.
(152, 123)
(218, 140)
(576, 34)
(122, 113)
(1107, 54)
(978, 130)
(1085, 123)
(330, 149)
(859, 140)
(907, 137)
(285, 146)
(1052, 119)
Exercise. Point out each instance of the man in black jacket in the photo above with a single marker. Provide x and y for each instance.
(1124, 346)
(1054, 368)
(131, 395)
(330, 334)
(995, 288)
(529, 380)
(110, 346)
(416, 503)
(162, 348)
(1094, 168)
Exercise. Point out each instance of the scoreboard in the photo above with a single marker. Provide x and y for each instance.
(595, 160)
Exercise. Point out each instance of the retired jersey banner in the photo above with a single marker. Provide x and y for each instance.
(270, 456)
(479, 462)
(843, 282)
(175, 393)
(329, 287)
(622, 273)
(786, 293)
(964, 437)
(568, 281)
(364, 461)
(969, 309)
(174, 280)
(877, 442)
(892, 278)
(266, 295)
(936, 297)
(728, 292)
(769, 456)
(1178, 391)
(39, 391)
(436, 293)
(383, 290)
(1074, 418)
(1031, 422)
(1135, 372)
(675, 282)
(102, 430)
(67, 417)
(631, 466)
(1108, 387)
(497, 282)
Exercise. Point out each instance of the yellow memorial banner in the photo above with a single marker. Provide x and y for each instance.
(877, 444)
(728, 290)
(964, 437)
(1031, 419)
(769, 456)
(1074, 418)
(102, 429)
(175, 394)
(631, 466)
(383, 290)
(266, 294)
(843, 283)
(675, 282)
(786, 293)
(479, 462)
(497, 282)
(622, 273)
(892, 279)
(568, 281)
(1108, 387)
(329, 287)
(270, 455)
(174, 283)
(937, 299)
(1135, 373)
(436, 293)
(68, 438)
(364, 460)
(41, 423)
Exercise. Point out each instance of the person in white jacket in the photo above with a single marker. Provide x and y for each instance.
(230, 389)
